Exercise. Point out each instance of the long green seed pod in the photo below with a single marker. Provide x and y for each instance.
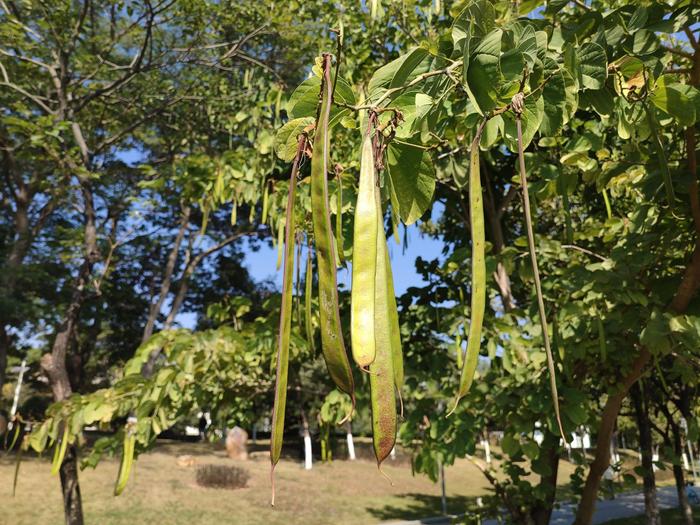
(535, 270)
(60, 451)
(285, 326)
(127, 460)
(478, 283)
(364, 259)
(266, 202)
(601, 340)
(281, 227)
(661, 156)
(381, 377)
(608, 208)
(308, 292)
(18, 462)
(395, 328)
(331, 332)
(15, 436)
(339, 241)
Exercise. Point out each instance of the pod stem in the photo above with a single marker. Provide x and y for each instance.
(517, 108)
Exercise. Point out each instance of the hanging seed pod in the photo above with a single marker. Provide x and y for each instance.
(332, 343)
(285, 326)
(381, 378)
(364, 259)
(127, 457)
(478, 283)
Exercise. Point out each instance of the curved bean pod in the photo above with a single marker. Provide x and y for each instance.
(364, 260)
(381, 377)
(127, 461)
(308, 291)
(285, 323)
(60, 451)
(331, 332)
(394, 327)
(478, 283)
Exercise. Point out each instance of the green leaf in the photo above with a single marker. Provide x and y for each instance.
(397, 72)
(644, 42)
(476, 20)
(412, 179)
(510, 445)
(592, 65)
(286, 140)
(492, 131)
(531, 449)
(483, 77)
(304, 101)
(600, 100)
(533, 113)
(681, 101)
(554, 95)
(512, 64)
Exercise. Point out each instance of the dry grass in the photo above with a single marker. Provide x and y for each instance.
(160, 491)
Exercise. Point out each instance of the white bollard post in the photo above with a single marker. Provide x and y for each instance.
(351, 447)
(18, 389)
(307, 451)
(487, 450)
(393, 453)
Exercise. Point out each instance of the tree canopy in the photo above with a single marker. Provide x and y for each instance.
(550, 146)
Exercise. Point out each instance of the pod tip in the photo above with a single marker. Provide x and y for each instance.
(272, 485)
(379, 467)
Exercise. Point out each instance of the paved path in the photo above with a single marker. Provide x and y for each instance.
(623, 506)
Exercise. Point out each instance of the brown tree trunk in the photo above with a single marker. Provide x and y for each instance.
(601, 460)
(640, 400)
(542, 512)
(18, 252)
(496, 233)
(679, 477)
(54, 363)
(72, 501)
(4, 347)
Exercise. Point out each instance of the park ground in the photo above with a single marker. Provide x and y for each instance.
(162, 491)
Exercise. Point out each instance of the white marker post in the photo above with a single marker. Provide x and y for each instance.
(351, 444)
(684, 426)
(18, 389)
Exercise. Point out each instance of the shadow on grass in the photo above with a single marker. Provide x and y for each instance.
(419, 506)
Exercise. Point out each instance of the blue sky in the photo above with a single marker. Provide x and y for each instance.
(262, 264)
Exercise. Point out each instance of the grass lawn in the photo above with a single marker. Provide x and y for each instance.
(164, 493)
(668, 517)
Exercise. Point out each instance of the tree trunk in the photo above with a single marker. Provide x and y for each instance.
(54, 365)
(601, 461)
(496, 230)
(542, 512)
(640, 399)
(679, 476)
(72, 501)
(4, 347)
(18, 252)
